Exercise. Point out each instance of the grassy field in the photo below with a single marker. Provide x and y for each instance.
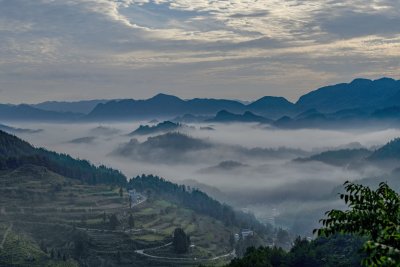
(58, 221)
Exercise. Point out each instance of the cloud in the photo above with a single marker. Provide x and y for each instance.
(134, 48)
(268, 180)
(353, 24)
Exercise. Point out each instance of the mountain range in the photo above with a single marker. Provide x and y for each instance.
(359, 99)
(387, 156)
(83, 107)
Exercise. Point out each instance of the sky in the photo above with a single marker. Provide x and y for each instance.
(237, 49)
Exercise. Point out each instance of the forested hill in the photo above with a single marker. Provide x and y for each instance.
(198, 201)
(11, 146)
(15, 152)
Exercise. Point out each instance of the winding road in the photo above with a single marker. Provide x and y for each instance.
(141, 252)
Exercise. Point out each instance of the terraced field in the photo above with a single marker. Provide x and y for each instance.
(58, 221)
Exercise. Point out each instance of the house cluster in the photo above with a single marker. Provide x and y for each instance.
(134, 196)
(243, 234)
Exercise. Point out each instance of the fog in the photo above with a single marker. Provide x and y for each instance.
(246, 165)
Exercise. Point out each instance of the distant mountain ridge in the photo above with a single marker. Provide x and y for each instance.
(84, 106)
(225, 116)
(359, 99)
(360, 93)
(168, 106)
(27, 112)
(161, 105)
(386, 156)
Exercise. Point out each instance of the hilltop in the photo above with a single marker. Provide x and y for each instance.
(162, 127)
(60, 211)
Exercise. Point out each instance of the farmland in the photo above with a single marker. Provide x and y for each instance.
(50, 220)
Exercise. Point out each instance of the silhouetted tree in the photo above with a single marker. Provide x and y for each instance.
(181, 241)
(80, 244)
(114, 222)
(131, 222)
(374, 214)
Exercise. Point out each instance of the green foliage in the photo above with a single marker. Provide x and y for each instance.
(15, 153)
(81, 243)
(181, 241)
(244, 243)
(340, 157)
(197, 201)
(373, 214)
(336, 251)
(389, 151)
(283, 238)
(261, 257)
(11, 146)
(131, 221)
(114, 222)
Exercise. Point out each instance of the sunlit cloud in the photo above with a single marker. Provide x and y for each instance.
(254, 43)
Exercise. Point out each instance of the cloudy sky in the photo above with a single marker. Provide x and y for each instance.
(239, 49)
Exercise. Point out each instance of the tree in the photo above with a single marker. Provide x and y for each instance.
(114, 222)
(121, 192)
(373, 214)
(119, 259)
(232, 240)
(80, 244)
(181, 241)
(131, 221)
(261, 257)
(283, 238)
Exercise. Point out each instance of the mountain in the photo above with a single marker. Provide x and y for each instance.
(28, 113)
(162, 127)
(272, 107)
(83, 140)
(389, 113)
(387, 156)
(83, 107)
(226, 116)
(206, 106)
(224, 166)
(15, 152)
(347, 118)
(308, 119)
(342, 157)
(161, 105)
(169, 147)
(356, 100)
(104, 130)
(189, 118)
(51, 220)
(360, 93)
(11, 146)
(67, 212)
(388, 152)
(9, 129)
